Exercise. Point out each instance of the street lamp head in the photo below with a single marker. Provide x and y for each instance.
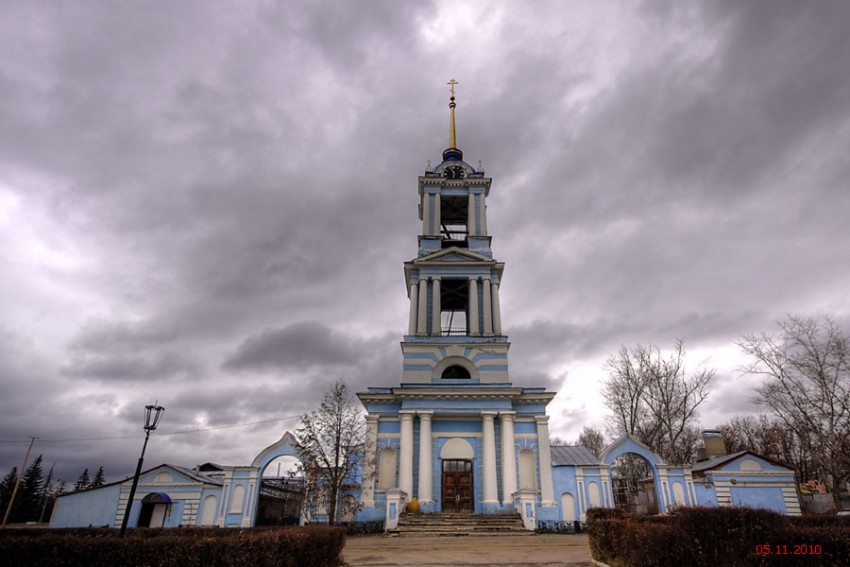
(152, 416)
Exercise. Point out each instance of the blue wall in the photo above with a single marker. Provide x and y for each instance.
(97, 508)
(768, 497)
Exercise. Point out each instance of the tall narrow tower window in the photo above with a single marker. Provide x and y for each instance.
(454, 219)
(454, 298)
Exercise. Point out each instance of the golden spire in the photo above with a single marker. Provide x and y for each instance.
(452, 138)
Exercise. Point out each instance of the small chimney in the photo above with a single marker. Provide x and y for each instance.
(713, 444)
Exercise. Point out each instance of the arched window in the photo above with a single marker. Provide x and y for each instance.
(237, 497)
(593, 495)
(568, 507)
(209, 512)
(455, 372)
(679, 494)
(348, 509)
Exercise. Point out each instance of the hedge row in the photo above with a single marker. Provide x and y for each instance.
(716, 536)
(309, 546)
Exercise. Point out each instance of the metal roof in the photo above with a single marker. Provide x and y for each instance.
(574, 455)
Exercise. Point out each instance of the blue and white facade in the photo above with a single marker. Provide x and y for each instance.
(173, 496)
(746, 479)
(456, 434)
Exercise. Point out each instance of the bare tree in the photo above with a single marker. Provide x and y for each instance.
(769, 438)
(592, 439)
(807, 386)
(653, 398)
(331, 443)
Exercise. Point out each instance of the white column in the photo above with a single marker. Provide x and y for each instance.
(483, 204)
(508, 457)
(425, 457)
(547, 490)
(422, 315)
(435, 307)
(437, 214)
(491, 491)
(473, 307)
(414, 304)
(488, 315)
(426, 214)
(497, 311)
(405, 475)
(368, 493)
(470, 216)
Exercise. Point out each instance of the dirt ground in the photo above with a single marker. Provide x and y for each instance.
(547, 550)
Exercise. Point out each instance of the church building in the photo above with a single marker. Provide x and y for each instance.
(456, 434)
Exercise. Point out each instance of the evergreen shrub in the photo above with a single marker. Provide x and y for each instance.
(308, 546)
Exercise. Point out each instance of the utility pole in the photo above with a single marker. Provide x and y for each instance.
(17, 483)
(44, 493)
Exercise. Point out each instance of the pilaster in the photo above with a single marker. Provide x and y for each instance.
(405, 476)
(414, 304)
(473, 307)
(470, 216)
(436, 220)
(497, 310)
(490, 493)
(426, 214)
(508, 456)
(547, 490)
(368, 489)
(425, 478)
(435, 307)
(488, 306)
(422, 315)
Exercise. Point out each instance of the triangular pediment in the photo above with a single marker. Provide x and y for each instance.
(452, 255)
(742, 460)
(168, 474)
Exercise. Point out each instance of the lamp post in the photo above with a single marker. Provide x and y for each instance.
(152, 416)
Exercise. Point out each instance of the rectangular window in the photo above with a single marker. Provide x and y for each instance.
(454, 298)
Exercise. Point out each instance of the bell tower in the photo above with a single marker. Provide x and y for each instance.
(456, 434)
(455, 330)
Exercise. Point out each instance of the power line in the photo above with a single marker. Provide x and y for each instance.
(186, 431)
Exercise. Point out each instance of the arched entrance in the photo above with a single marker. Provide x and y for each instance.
(155, 509)
(635, 484)
(280, 496)
(456, 479)
(281, 493)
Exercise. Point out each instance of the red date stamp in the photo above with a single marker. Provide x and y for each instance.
(796, 549)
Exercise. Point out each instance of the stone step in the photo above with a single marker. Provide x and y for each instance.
(427, 519)
(454, 524)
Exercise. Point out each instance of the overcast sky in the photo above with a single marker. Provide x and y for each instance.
(209, 204)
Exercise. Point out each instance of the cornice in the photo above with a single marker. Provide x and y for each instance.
(514, 394)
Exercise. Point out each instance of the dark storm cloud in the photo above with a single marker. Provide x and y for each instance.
(298, 345)
(320, 352)
(210, 206)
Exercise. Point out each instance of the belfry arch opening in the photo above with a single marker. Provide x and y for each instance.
(455, 372)
(453, 218)
(454, 307)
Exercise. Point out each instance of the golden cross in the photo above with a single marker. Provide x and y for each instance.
(452, 83)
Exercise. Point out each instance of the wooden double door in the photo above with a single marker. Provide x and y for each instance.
(457, 486)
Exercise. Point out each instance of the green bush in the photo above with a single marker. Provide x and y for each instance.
(309, 546)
